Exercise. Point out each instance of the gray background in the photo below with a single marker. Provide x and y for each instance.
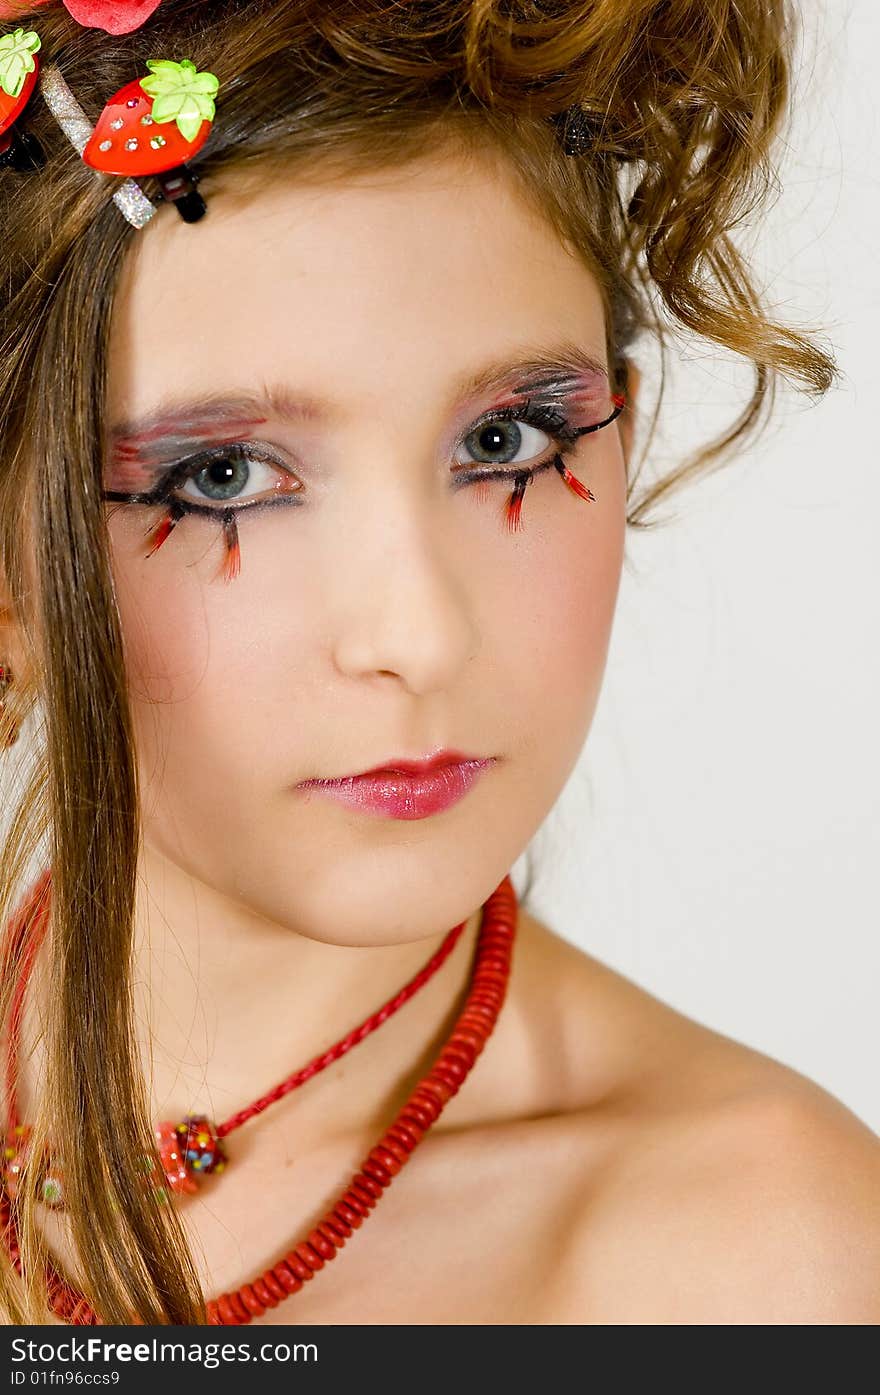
(718, 842)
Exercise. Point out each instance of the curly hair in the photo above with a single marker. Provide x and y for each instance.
(670, 109)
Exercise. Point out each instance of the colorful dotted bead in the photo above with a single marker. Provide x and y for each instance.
(15, 1154)
(189, 1150)
(173, 1161)
(53, 1189)
(204, 1151)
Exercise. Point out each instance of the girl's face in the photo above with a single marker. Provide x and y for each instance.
(383, 607)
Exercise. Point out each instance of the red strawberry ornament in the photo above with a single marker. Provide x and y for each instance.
(19, 70)
(113, 16)
(154, 123)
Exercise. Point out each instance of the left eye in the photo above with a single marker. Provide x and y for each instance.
(499, 442)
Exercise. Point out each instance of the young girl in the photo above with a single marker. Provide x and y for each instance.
(317, 402)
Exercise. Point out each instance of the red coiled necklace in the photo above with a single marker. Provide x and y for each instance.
(486, 993)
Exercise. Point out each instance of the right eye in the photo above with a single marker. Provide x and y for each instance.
(234, 474)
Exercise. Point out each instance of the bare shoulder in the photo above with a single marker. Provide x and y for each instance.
(737, 1190)
(762, 1208)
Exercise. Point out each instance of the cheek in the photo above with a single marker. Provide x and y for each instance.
(202, 663)
(560, 633)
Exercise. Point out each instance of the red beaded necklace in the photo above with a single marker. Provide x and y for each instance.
(188, 1150)
(486, 994)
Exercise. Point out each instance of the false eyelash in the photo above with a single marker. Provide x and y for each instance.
(178, 508)
(176, 511)
(512, 510)
(168, 521)
(551, 420)
(535, 414)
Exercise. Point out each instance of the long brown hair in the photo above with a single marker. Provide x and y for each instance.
(683, 99)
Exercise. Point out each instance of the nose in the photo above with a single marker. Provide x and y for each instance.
(400, 597)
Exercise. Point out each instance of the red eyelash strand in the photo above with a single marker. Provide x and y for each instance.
(513, 507)
(161, 531)
(232, 561)
(512, 510)
(574, 484)
(618, 400)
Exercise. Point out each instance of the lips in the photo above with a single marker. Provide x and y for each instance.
(427, 788)
(427, 765)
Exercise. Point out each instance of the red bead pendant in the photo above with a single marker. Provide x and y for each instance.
(189, 1151)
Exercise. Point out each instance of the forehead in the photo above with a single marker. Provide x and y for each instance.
(383, 282)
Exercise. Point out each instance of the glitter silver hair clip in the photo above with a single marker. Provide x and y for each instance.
(130, 198)
(151, 127)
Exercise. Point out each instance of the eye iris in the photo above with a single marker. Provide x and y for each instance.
(215, 479)
(491, 438)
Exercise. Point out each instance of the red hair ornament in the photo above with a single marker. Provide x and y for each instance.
(151, 126)
(19, 72)
(155, 124)
(113, 16)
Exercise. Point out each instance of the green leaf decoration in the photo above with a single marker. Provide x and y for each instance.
(180, 94)
(16, 59)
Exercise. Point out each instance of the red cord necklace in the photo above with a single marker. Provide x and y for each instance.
(486, 994)
(193, 1148)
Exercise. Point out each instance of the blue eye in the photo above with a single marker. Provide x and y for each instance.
(505, 445)
(505, 442)
(225, 478)
(224, 474)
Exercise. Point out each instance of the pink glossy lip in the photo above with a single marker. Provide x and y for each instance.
(395, 794)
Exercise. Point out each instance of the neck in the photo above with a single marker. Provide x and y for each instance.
(230, 1003)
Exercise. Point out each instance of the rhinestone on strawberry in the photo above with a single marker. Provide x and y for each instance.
(19, 70)
(154, 123)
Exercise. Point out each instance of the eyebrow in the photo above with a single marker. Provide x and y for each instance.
(173, 423)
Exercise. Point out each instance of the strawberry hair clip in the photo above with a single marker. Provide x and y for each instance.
(151, 126)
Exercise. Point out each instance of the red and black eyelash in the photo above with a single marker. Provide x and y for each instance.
(176, 511)
(512, 510)
(169, 520)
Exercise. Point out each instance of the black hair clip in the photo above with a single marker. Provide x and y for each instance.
(22, 152)
(575, 128)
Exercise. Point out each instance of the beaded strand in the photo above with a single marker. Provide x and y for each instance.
(474, 1026)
